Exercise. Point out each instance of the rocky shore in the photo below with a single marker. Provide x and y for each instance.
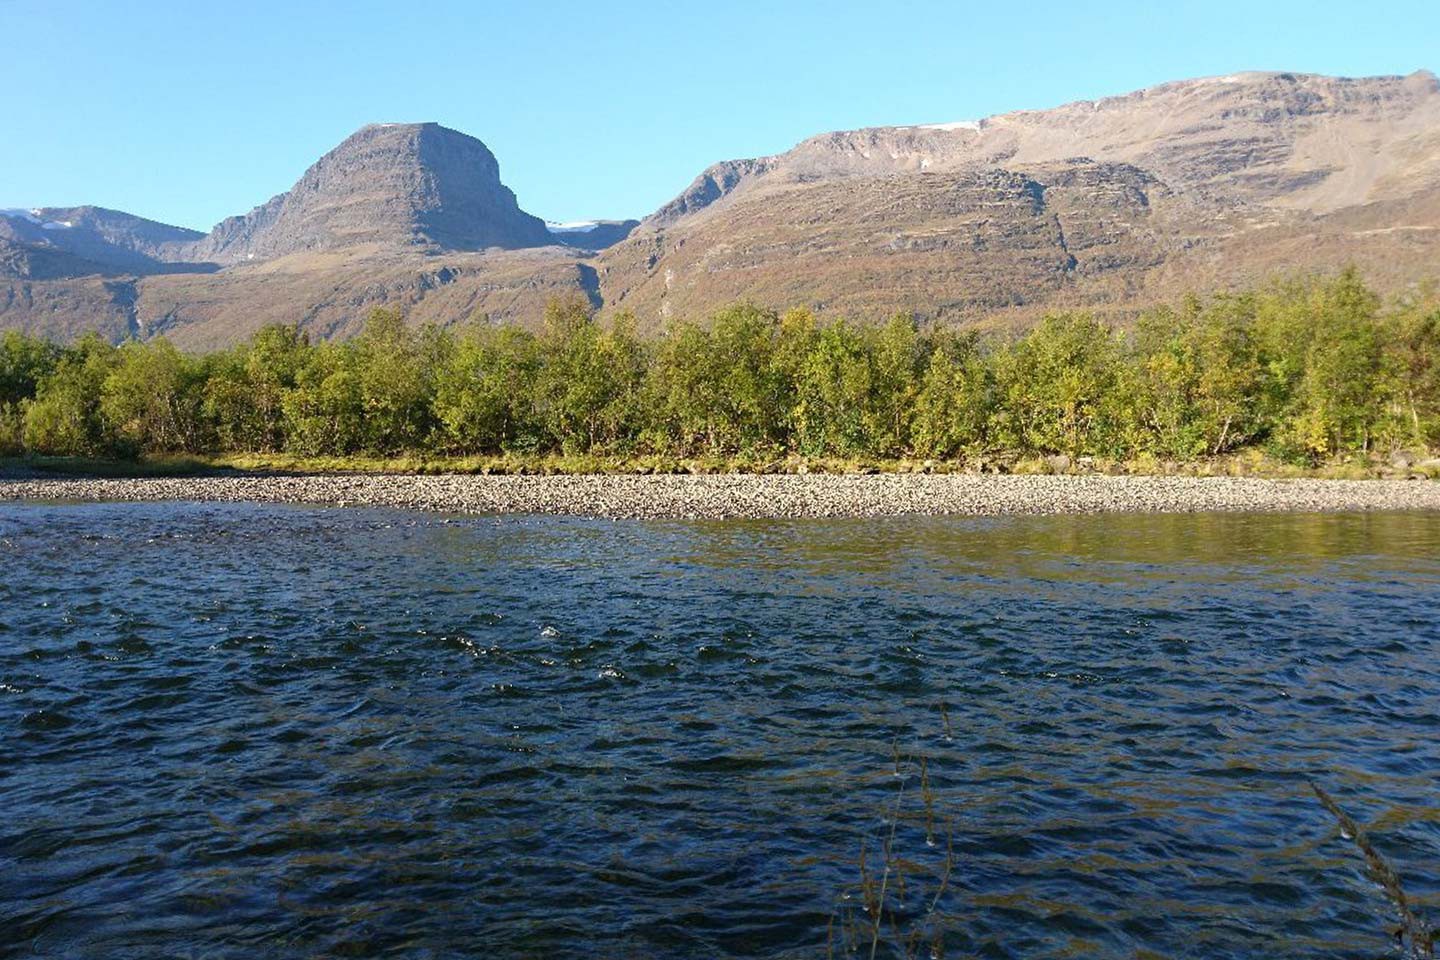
(746, 495)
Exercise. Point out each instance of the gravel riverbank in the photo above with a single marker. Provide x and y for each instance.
(748, 495)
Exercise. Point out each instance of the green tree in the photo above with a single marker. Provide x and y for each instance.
(955, 399)
(394, 368)
(683, 385)
(1053, 386)
(64, 418)
(484, 393)
(751, 394)
(244, 396)
(25, 362)
(833, 391)
(1197, 380)
(899, 360)
(1413, 370)
(325, 411)
(1324, 359)
(150, 400)
(587, 391)
(1229, 378)
(794, 339)
(718, 389)
(1311, 368)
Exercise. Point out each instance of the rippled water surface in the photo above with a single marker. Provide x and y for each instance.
(261, 731)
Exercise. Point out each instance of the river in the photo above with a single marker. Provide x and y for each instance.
(280, 731)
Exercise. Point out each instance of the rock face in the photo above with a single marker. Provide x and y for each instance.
(1107, 205)
(982, 239)
(394, 185)
(715, 182)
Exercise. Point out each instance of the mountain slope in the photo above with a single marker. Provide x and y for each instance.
(329, 294)
(23, 261)
(1107, 202)
(591, 234)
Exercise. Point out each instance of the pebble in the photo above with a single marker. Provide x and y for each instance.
(719, 496)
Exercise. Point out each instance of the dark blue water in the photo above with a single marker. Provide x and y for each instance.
(259, 731)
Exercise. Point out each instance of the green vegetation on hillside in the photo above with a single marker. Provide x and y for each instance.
(1306, 371)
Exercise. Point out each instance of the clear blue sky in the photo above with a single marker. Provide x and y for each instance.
(190, 111)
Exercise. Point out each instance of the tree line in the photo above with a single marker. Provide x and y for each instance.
(1306, 369)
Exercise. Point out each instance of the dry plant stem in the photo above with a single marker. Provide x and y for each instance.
(949, 866)
(851, 925)
(1413, 929)
(885, 875)
(928, 796)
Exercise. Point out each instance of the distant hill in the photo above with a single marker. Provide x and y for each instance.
(108, 238)
(592, 234)
(1108, 204)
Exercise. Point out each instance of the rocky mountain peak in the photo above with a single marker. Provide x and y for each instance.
(400, 185)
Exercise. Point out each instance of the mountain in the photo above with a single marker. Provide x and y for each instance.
(106, 239)
(1109, 202)
(591, 234)
(1108, 205)
(401, 185)
(408, 214)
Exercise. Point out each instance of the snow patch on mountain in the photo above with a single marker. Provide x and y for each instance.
(956, 125)
(33, 216)
(573, 226)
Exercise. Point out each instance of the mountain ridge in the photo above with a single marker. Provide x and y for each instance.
(1104, 204)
